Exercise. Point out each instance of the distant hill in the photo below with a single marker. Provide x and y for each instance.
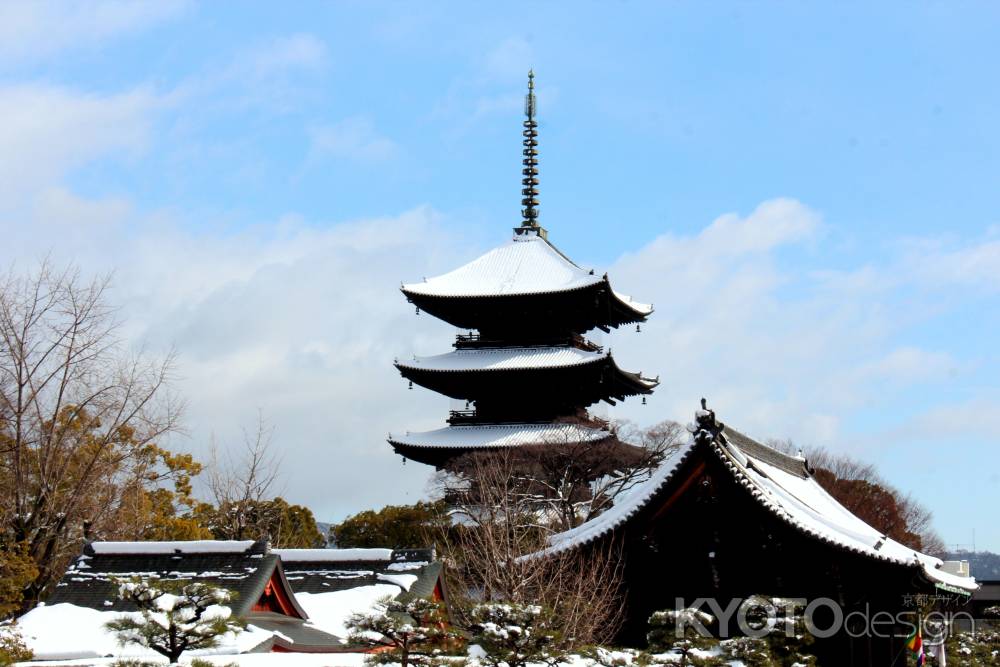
(325, 529)
(982, 564)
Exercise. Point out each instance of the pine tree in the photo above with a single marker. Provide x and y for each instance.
(408, 632)
(512, 635)
(674, 632)
(176, 616)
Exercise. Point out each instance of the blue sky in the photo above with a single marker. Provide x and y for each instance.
(808, 194)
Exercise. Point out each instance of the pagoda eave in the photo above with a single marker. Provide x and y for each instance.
(578, 310)
(582, 384)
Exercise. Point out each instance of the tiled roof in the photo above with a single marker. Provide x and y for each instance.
(499, 435)
(90, 579)
(310, 573)
(780, 483)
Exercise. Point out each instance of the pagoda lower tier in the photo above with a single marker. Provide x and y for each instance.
(560, 380)
(440, 447)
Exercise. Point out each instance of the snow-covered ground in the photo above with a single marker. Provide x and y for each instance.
(245, 660)
(62, 631)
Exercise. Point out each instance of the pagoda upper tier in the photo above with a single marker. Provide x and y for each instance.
(525, 285)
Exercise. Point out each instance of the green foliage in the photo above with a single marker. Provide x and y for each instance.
(176, 616)
(17, 570)
(675, 632)
(393, 526)
(411, 632)
(978, 649)
(135, 662)
(512, 635)
(285, 526)
(12, 646)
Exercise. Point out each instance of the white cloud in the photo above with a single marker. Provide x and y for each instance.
(780, 352)
(302, 321)
(299, 51)
(299, 321)
(34, 29)
(48, 130)
(353, 138)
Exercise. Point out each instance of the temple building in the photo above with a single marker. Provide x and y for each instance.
(524, 367)
(292, 600)
(726, 517)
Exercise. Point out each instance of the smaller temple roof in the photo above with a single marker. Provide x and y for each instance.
(528, 264)
(484, 436)
(243, 567)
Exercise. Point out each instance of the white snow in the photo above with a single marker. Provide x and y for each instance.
(404, 581)
(66, 631)
(407, 565)
(527, 264)
(808, 506)
(332, 555)
(503, 359)
(500, 435)
(329, 611)
(188, 546)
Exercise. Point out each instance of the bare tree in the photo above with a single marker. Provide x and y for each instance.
(79, 415)
(242, 486)
(496, 553)
(569, 480)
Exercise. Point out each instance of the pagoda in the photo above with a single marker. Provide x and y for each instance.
(524, 368)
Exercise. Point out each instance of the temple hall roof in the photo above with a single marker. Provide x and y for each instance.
(780, 483)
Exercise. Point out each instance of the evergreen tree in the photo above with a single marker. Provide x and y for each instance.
(512, 635)
(12, 646)
(176, 616)
(393, 526)
(676, 633)
(412, 631)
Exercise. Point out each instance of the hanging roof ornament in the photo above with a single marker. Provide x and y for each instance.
(529, 190)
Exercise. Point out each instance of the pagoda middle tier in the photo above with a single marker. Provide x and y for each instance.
(562, 379)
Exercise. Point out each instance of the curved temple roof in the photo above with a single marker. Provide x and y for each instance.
(499, 435)
(528, 264)
(781, 484)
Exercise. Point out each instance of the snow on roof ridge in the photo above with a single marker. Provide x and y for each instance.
(174, 546)
(795, 510)
(332, 555)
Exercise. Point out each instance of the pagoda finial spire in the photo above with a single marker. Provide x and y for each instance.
(529, 192)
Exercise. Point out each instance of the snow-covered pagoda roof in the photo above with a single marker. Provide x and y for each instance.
(783, 485)
(526, 265)
(506, 358)
(486, 436)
